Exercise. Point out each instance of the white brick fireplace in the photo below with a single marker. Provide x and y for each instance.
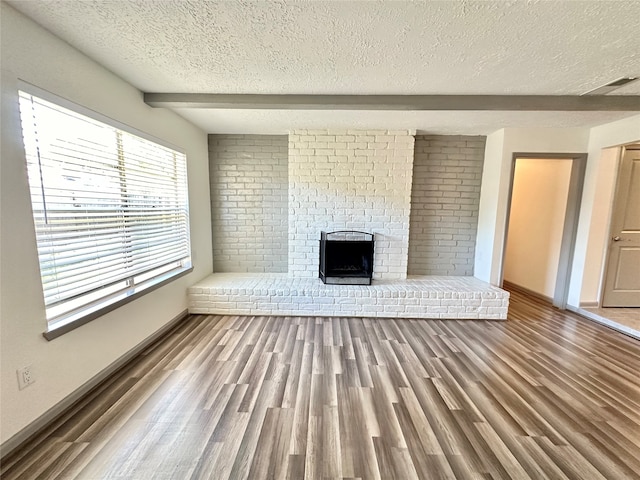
(350, 180)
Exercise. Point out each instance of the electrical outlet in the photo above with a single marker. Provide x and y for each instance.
(25, 377)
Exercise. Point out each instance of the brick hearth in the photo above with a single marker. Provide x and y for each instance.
(414, 297)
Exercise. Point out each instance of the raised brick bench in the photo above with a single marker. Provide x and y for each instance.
(415, 297)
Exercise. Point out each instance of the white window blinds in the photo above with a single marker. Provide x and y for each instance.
(110, 208)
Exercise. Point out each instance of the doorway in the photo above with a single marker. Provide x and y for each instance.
(542, 217)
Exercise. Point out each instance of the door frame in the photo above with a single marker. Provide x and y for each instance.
(570, 226)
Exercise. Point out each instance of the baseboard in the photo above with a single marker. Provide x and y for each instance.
(512, 286)
(589, 304)
(44, 420)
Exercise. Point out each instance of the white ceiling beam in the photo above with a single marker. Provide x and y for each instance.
(566, 103)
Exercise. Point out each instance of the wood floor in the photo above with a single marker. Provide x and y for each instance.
(545, 395)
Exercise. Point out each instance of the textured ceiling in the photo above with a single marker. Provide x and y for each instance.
(356, 47)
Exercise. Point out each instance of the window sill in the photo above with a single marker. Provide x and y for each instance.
(69, 322)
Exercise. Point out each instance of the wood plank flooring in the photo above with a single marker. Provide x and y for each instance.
(545, 395)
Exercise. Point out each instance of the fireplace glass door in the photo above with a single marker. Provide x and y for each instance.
(346, 258)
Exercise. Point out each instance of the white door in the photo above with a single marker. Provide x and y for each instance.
(622, 279)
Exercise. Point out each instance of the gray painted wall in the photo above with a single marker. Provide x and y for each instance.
(445, 197)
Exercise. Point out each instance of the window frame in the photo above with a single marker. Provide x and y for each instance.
(79, 316)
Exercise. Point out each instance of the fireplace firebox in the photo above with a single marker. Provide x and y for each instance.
(346, 257)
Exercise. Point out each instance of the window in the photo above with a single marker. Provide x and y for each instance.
(110, 209)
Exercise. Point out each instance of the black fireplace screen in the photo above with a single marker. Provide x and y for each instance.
(346, 257)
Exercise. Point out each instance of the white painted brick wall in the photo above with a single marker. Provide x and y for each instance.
(445, 196)
(248, 175)
(350, 180)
